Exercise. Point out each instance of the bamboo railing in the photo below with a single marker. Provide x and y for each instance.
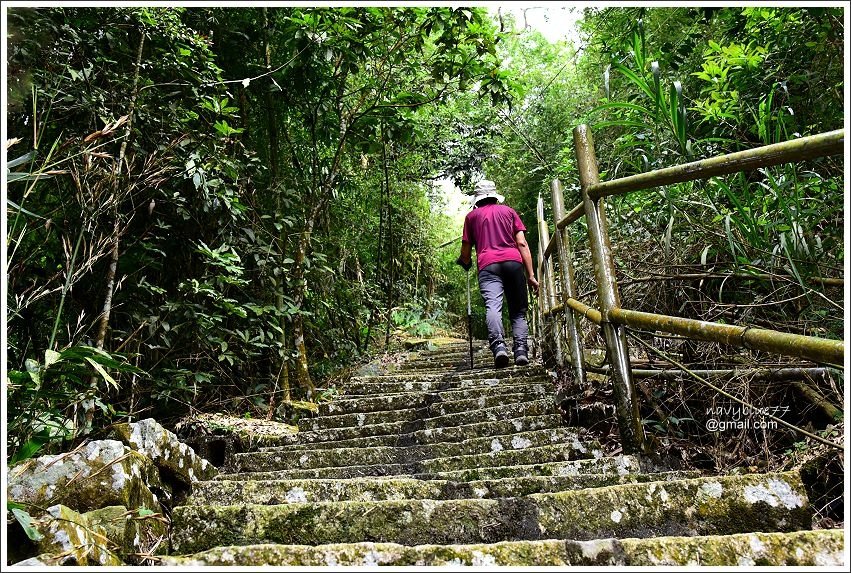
(559, 313)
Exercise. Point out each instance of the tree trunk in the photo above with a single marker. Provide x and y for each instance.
(390, 261)
(302, 373)
(282, 378)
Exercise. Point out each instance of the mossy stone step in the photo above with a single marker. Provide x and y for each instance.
(488, 428)
(424, 412)
(617, 465)
(524, 372)
(526, 456)
(702, 506)
(373, 387)
(412, 423)
(606, 465)
(271, 492)
(403, 400)
(823, 548)
(537, 407)
(319, 439)
(284, 458)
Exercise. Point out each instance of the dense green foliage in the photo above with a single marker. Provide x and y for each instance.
(217, 208)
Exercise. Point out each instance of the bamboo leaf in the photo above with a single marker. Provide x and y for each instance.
(17, 207)
(26, 522)
(102, 371)
(635, 79)
(622, 105)
(20, 160)
(654, 68)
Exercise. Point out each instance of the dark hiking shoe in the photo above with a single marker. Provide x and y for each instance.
(500, 354)
(521, 354)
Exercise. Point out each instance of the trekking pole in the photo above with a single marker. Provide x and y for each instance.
(469, 320)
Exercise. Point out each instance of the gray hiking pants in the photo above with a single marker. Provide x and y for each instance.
(505, 278)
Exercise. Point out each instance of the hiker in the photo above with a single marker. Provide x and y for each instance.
(502, 254)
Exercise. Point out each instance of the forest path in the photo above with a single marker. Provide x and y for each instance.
(423, 462)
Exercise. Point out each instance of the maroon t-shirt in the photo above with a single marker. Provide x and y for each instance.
(492, 230)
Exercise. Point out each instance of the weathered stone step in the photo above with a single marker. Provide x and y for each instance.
(284, 458)
(488, 428)
(405, 400)
(506, 411)
(823, 548)
(614, 465)
(476, 374)
(389, 385)
(324, 438)
(525, 456)
(270, 492)
(537, 407)
(432, 410)
(703, 506)
(445, 361)
(618, 464)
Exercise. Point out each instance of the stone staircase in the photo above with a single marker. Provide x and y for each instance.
(431, 464)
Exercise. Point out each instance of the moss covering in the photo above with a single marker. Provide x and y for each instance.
(643, 510)
(99, 474)
(132, 533)
(700, 506)
(66, 532)
(270, 492)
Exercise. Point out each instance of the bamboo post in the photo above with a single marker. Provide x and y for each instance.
(542, 298)
(626, 398)
(568, 290)
(548, 281)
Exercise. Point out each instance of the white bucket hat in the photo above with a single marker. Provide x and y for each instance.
(485, 189)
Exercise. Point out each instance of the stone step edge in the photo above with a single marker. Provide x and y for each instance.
(429, 397)
(575, 435)
(412, 434)
(433, 422)
(413, 415)
(801, 548)
(447, 374)
(703, 506)
(301, 490)
(582, 445)
(623, 465)
(571, 450)
(420, 412)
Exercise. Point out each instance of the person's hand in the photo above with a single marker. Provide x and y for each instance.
(466, 265)
(533, 284)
